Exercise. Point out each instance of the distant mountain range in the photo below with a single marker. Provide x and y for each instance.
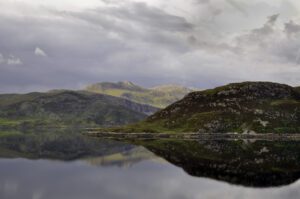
(159, 96)
(248, 107)
(101, 104)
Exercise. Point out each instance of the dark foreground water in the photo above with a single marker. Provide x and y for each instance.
(67, 166)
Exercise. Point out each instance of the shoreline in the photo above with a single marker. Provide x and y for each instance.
(193, 136)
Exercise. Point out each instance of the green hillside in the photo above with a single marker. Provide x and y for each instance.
(160, 96)
(69, 108)
(249, 107)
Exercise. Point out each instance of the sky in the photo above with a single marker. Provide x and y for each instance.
(68, 44)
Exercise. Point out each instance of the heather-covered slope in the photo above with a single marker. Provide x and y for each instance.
(248, 107)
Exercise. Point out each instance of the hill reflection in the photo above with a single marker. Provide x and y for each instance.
(248, 163)
(254, 164)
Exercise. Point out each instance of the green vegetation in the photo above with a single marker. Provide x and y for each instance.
(95, 107)
(5, 134)
(160, 96)
(249, 107)
(61, 108)
(7, 122)
(285, 102)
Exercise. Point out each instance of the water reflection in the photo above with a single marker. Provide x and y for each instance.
(85, 167)
(21, 178)
(257, 164)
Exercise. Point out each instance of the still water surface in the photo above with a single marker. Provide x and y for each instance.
(115, 170)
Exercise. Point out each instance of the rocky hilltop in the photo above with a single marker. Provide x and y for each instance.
(249, 107)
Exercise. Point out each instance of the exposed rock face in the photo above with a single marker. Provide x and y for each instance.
(258, 106)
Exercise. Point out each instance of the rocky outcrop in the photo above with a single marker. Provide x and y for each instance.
(239, 107)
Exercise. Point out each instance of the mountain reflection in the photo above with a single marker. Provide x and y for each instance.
(248, 163)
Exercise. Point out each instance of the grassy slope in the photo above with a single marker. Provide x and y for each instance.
(160, 96)
(67, 107)
(209, 111)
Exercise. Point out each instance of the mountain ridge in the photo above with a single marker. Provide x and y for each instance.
(158, 96)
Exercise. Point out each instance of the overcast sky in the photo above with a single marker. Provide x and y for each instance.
(199, 43)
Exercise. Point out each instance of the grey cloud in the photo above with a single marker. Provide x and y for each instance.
(210, 10)
(138, 22)
(212, 46)
(272, 45)
(291, 28)
(145, 44)
(259, 36)
(201, 1)
(238, 6)
(272, 19)
(79, 53)
(153, 17)
(267, 28)
(137, 14)
(287, 50)
(216, 12)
